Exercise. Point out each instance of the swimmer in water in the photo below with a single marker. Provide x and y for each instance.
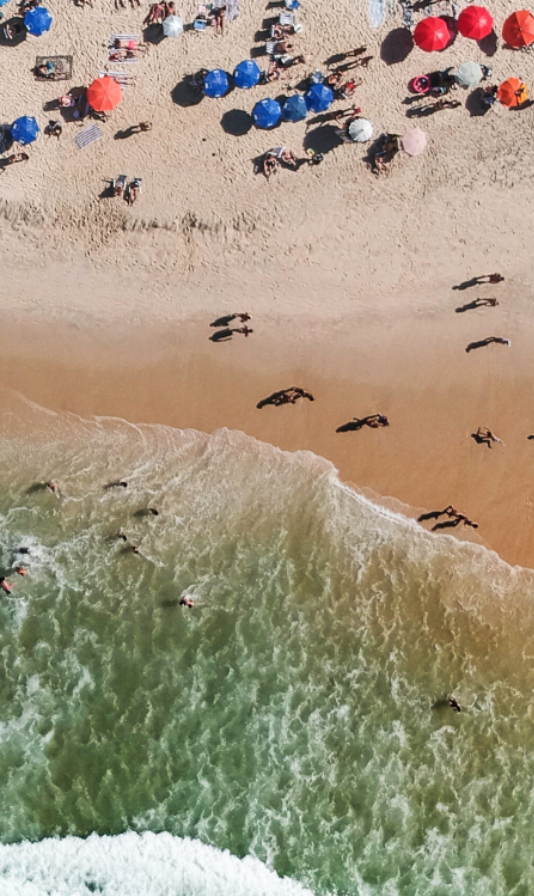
(5, 585)
(453, 703)
(187, 602)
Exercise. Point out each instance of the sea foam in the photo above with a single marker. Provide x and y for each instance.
(135, 865)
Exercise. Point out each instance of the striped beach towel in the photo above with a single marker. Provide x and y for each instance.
(87, 136)
(123, 80)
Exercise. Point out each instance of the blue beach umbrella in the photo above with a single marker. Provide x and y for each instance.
(295, 108)
(216, 83)
(246, 74)
(266, 113)
(3, 2)
(24, 130)
(37, 21)
(319, 98)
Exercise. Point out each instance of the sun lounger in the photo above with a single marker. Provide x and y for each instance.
(87, 136)
(269, 47)
(62, 67)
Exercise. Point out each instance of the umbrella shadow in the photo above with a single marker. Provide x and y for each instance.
(475, 104)
(236, 122)
(489, 44)
(17, 26)
(323, 139)
(452, 25)
(183, 95)
(396, 46)
(153, 34)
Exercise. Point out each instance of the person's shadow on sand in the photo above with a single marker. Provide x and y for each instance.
(466, 284)
(222, 335)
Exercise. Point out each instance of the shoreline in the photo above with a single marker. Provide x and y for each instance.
(424, 460)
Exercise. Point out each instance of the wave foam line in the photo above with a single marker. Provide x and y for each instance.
(133, 864)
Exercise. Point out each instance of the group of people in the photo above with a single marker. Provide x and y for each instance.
(129, 191)
(223, 330)
(453, 518)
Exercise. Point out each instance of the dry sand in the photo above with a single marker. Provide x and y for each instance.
(106, 309)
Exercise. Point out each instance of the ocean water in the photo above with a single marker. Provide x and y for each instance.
(289, 735)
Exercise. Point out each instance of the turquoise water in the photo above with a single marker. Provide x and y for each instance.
(294, 716)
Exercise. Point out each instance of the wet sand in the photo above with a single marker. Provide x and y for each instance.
(413, 369)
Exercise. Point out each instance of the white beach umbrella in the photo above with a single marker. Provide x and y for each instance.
(469, 74)
(172, 26)
(360, 130)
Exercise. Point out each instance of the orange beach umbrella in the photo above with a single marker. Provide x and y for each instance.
(518, 30)
(104, 94)
(512, 92)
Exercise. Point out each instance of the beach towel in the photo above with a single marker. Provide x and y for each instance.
(121, 78)
(62, 67)
(87, 136)
(232, 10)
(127, 37)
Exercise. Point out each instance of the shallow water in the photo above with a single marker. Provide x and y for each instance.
(296, 715)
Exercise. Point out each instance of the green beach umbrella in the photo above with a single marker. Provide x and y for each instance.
(469, 74)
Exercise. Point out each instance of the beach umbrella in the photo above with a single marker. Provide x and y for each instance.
(414, 142)
(37, 21)
(216, 83)
(246, 74)
(432, 33)
(104, 94)
(469, 74)
(319, 97)
(24, 130)
(475, 22)
(518, 30)
(267, 113)
(295, 108)
(172, 26)
(360, 130)
(512, 92)
(3, 2)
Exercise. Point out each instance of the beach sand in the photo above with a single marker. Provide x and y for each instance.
(106, 309)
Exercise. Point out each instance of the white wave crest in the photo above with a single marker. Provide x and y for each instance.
(135, 865)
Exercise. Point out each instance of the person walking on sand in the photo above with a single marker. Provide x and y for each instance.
(499, 340)
(5, 585)
(244, 330)
(485, 435)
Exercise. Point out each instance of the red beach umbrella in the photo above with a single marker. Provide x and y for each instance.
(432, 33)
(475, 22)
(104, 94)
(518, 30)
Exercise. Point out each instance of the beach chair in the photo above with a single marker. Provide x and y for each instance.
(269, 47)
(87, 136)
(62, 68)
